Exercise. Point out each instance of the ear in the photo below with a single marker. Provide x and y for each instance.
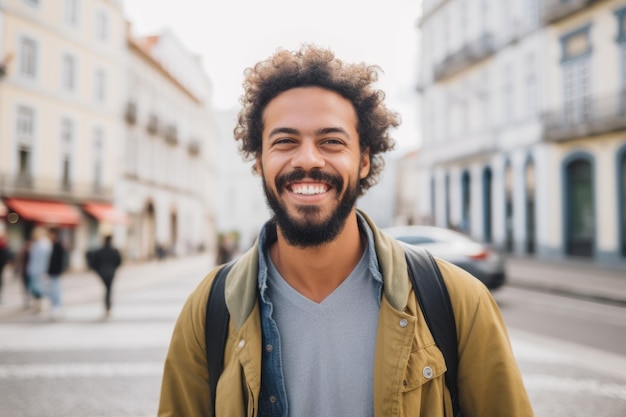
(258, 167)
(364, 170)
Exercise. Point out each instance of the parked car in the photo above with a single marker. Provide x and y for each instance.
(486, 264)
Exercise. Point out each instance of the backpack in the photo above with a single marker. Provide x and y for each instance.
(432, 296)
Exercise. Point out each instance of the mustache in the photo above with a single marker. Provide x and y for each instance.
(315, 175)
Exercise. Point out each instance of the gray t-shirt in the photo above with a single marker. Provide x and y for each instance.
(328, 348)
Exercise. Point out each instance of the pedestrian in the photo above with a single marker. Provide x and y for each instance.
(37, 265)
(104, 262)
(323, 321)
(56, 267)
(5, 256)
(20, 271)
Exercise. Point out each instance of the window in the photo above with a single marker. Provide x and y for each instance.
(531, 86)
(71, 12)
(532, 10)
(621, 41)
(28, 57)
(100, 85)
(102, 26)
(67, 143)
(508, 103)
(98, 158)
(25, 140)
(577, 91)
(68, 73)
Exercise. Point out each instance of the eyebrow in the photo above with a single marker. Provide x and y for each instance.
(323, 131)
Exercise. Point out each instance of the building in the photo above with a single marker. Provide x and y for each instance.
(167, 184)
(60, 99)
(524, 125)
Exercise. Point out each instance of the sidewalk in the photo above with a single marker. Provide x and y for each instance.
(572, 277)
(575, 277)
(85, 286)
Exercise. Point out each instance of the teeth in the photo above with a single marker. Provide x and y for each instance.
(309, 189)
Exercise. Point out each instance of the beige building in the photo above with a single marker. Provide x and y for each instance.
(60, 100)
(166, 187)
(524, 127)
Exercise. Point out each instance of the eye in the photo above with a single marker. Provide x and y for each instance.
(332, 141)
(284, 141)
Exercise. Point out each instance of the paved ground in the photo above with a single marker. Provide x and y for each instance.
(81, 287)
(572, 277)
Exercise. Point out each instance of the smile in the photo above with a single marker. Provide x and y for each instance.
(308, 189)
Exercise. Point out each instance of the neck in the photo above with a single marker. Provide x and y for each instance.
(316, 272)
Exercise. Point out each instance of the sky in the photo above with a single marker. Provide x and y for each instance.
(232, 35)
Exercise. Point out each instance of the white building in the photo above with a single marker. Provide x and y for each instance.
(167, 184)
(61, 91)
(240, 206)
(524, 130)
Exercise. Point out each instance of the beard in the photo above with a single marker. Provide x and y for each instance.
(312, 230)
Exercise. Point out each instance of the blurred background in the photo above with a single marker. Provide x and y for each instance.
(116, 118)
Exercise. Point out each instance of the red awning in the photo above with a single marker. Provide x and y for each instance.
(105, 212)
(46, 212)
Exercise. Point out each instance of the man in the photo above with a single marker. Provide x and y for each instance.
(37, 265)
(104, 262)
(323, 321)
(56, 266)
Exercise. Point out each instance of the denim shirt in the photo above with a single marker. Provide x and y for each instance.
(273, 396)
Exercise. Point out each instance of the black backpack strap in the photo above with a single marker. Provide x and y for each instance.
(436, 307)
(216, 330)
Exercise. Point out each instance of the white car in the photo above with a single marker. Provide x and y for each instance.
(484, 263)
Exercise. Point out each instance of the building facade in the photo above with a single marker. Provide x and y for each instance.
(102, 132)
(524, 124)
(166, 187)
(60, 95)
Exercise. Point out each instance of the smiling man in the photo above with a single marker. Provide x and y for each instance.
(323, 319)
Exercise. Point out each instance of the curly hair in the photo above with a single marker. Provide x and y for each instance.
(312, 66)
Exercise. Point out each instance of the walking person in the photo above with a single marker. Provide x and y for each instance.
(37, 265)
(323, 320)
(20, 272)
(104, 262)
(4, 258)
(55, 269)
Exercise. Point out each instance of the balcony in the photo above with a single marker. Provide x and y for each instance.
(555, 10)
(193, 147)
(170, 133)
(589, 117)
(153, 124)
(469, 54)
(130, 113)
(42, 187)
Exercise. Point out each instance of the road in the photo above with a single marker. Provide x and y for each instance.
(570, 351)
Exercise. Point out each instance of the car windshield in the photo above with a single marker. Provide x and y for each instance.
(426, 235)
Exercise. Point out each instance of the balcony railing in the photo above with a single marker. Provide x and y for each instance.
(587, 117)
(170, 132)
(555, 10)
(130, 114)
(153, 124)
(193, 147)
(469, 54)
(40, 187)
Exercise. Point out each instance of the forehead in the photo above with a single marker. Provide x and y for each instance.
(309, 108)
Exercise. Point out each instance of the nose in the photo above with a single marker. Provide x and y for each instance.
(307, 156)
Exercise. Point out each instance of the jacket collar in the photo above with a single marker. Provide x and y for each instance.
(243, 281)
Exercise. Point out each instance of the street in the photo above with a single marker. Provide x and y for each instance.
(571, 352)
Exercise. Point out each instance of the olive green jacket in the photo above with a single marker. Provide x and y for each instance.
(489, 381)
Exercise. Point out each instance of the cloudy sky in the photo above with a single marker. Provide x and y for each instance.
(232, 35)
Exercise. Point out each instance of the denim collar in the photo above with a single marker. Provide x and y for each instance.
(267, 236)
